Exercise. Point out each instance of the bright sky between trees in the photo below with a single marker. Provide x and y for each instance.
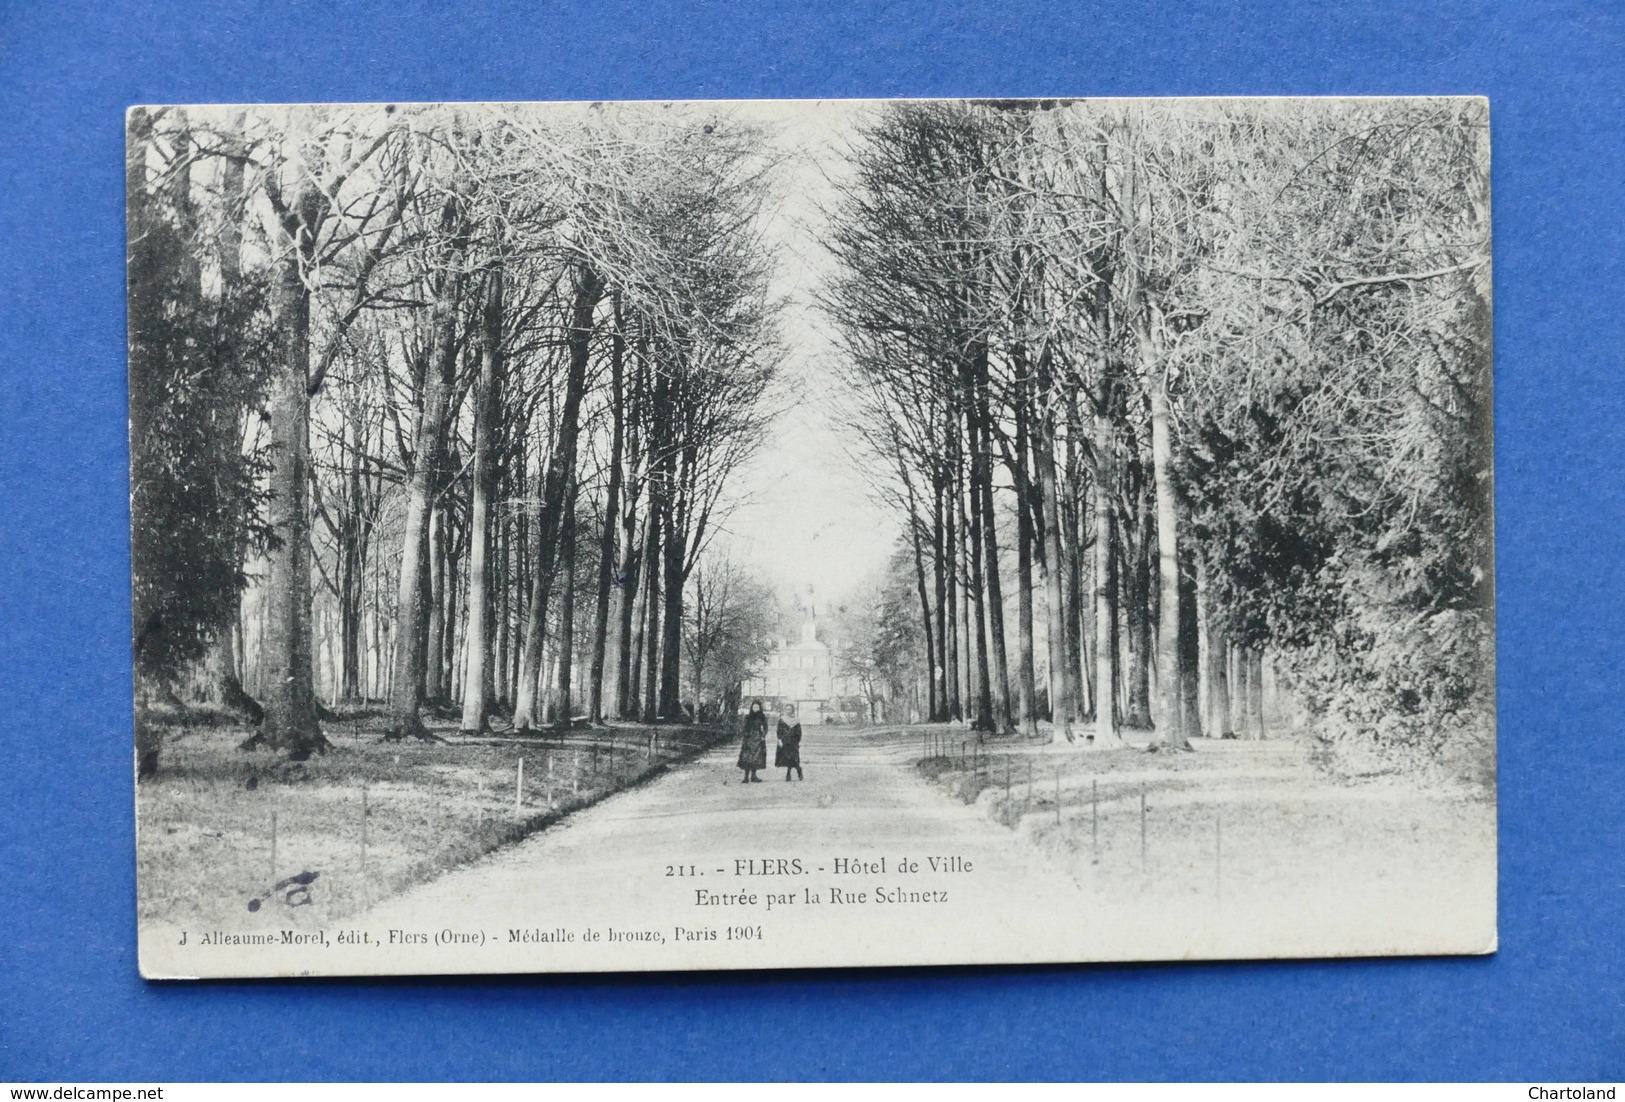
(807, 519)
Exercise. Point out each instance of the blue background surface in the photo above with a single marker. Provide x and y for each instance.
(1549, 1006)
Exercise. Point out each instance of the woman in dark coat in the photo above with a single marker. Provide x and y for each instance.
(788, 753)
(753, 747)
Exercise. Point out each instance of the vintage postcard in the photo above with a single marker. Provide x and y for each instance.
(712, 535)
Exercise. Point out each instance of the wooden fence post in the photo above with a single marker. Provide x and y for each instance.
(1142, 826)
(363, 845)
(1094, 817)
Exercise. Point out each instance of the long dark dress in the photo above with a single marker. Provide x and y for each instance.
(788, 753)
(753, 747)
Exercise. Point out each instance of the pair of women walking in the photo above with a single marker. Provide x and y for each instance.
(753, 746)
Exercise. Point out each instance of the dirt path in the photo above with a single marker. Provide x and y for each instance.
(623, 866)
(866, 862)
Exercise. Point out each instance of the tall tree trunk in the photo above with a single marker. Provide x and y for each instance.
(1077, 593)
(1137, 609)
(567, 608)
(950, 570)
(606, 539)
(425, 562)
(629, 645)
(1026, 674)
(502, 584)
(479, 689)
(589, 289)
(290, 723)
(540, 568)
(454, 615)
(411, 612)
(1220, 722)
(515, 584)
(1212, 655)
(349, 638)
(915, 524)
(1190, 651)
(1246, 723)
(1106, 735)
(434, 662)
(916, 538)
(992, 581)
(352, 561)
(671, 622)
(1057, 565)
(1204, 652)
(976, 584)
(651, 599)
(227, 682)
(373, 660)
(946, 704)
(700, 657)
(1162, 458)
(1103, 483)
(1255, 693)
(1238, 688)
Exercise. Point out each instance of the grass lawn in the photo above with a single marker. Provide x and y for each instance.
(1241, 833)
(219, 827)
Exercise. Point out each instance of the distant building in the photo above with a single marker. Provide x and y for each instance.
(802, 672)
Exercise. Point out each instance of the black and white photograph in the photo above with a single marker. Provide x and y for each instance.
(645, 536)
